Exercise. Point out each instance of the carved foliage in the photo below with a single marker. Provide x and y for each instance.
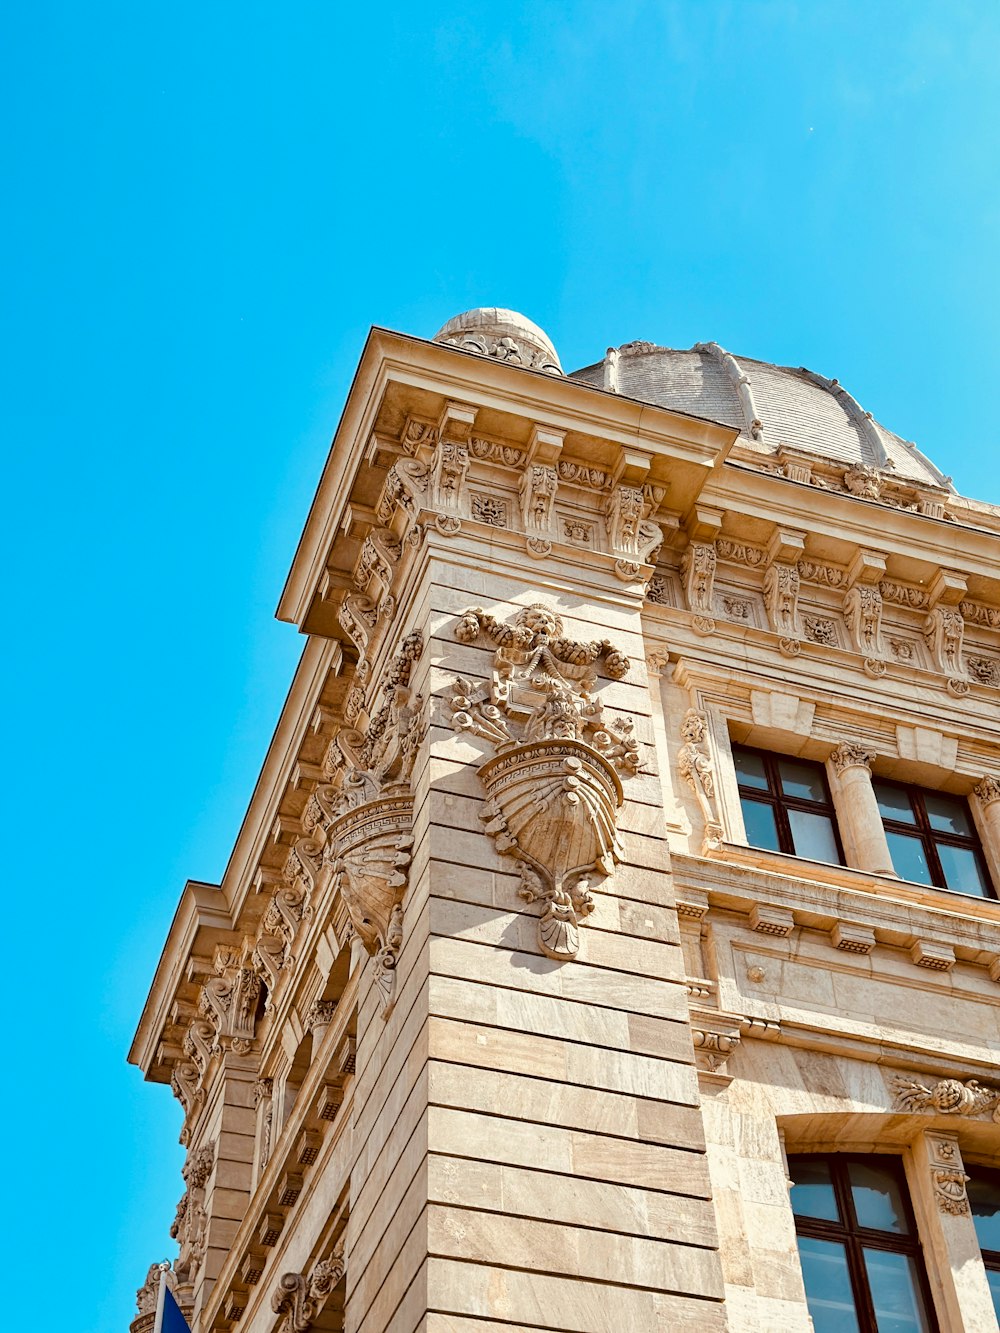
(863, 609)
(554, 787)
(301, 1297)
(698, 568)
(695, 767)
(948, 1096)
(364, 815)
(944, 630)
(781, 595)
(851, 754)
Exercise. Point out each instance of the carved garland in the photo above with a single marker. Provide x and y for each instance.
(554, 786)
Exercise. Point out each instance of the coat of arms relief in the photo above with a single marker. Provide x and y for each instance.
(554, 784)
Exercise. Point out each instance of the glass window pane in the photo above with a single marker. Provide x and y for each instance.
(812, 1194)
(828, 1286)
(750, 769)
(878, 1199)
(962, 870)
(984, 1199)
(895, 1293)
(799, 778)
(950, 814)
(813, 836)
(762, 831)
(993, 1278)
(893, 803)
(908, 859)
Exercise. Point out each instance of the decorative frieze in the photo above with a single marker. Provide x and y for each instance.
(740, 553)
(904, 594)
(978, 614)
(949, 1096)
(554, 788)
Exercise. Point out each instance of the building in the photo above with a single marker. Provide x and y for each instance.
(613, 939)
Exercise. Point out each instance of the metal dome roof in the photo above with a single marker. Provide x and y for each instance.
(771, 406)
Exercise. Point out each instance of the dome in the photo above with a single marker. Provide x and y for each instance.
(504, 334)
(771, 406)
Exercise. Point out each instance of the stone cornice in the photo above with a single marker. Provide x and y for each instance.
(738, 878)
(601, 429)
(781, 501)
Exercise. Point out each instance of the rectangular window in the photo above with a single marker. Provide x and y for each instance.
(932, 839)
(984, 1201)
(786, 805)
(861, 1258)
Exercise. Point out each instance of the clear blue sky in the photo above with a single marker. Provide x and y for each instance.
(206, 207)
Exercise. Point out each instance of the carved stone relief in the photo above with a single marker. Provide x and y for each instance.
(698, 570)
(863, 609)
(554, 786)
(301, 1296)
(695, 767)
(362, 816)
(948, 1096)
(948, 1177)
(944, 630)
(781, 595)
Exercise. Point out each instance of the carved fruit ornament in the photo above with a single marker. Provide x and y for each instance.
(554, 786)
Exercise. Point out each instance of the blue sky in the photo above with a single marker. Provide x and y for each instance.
(206, 207)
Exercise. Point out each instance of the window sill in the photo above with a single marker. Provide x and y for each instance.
(946, 901)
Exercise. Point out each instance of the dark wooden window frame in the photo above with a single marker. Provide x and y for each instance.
(929, 837)
(991, 1258)
(781, 804)
(856, 1238)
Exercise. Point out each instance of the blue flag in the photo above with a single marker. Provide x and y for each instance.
(168, 1313)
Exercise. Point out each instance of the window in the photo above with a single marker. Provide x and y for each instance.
(932, 839)
(786, 805)
(858, 1245)
(983, 1189)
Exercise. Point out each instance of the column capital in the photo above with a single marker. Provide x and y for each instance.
(851, 754)
(987, 789)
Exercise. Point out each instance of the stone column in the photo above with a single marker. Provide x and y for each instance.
(857, 809)
(987, 793)
(949, 1235)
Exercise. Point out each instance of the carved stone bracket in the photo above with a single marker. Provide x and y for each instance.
(944, 631)
(698, 568)
(863, 610)
(554, 787)
(695, 767)
(781, 596)
(301, 1296)
(362, 817)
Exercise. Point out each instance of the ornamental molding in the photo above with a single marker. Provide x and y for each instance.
(554, 785)
(948, 1096)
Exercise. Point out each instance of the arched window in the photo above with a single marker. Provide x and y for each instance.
(858, 1245)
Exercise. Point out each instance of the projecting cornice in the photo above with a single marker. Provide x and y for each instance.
(401, 377)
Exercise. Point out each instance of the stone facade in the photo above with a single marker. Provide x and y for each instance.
(496, 1019)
